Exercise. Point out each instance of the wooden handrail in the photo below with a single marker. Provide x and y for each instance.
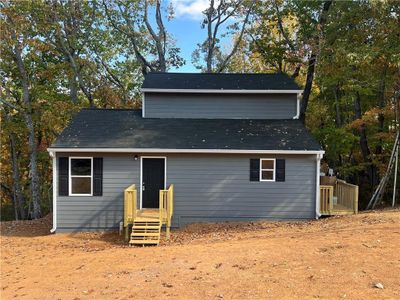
(130, 207)
(166, 198)
(326, 199)
(347, 195)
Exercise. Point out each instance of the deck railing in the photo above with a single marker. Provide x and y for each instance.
(130, 207)
(326, 199)
(339, 199)
(167, 208)
(347, 195)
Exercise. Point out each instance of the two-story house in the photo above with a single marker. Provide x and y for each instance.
(230, 144)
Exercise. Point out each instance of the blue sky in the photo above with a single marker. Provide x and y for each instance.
(186, 28)
(187, 33)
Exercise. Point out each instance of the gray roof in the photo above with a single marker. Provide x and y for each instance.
(220, 81)
(114, 128)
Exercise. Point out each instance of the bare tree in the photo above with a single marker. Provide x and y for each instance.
(131, 18)
(215, 16)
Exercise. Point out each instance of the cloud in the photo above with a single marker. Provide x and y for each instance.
(191, 9)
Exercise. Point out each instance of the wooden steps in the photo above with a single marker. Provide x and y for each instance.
(145, 232)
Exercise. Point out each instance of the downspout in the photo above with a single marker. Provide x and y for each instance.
(53, 155)
(317, 184)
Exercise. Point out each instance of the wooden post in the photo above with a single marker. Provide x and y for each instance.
(356, 200)
(331, 200)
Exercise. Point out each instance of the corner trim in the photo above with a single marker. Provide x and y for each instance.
(298, 107)
(53, 155)
(317, 189)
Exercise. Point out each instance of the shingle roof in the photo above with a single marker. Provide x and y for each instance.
(221, 81)
(110, 128)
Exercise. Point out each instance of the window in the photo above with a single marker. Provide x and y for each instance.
(80, 176)
(267, 169)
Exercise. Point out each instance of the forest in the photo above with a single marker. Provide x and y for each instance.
(59, 56)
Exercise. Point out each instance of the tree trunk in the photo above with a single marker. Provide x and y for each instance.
(337, 108)
(311, 62)
(381, 105)
(210, 42)
(366, 153)
(73, 89)
(33, 173)
(19, 201)
(307, 88)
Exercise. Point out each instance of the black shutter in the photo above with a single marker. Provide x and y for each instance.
(280, 170)
(63, 176)
(255, 169)
(97, 176)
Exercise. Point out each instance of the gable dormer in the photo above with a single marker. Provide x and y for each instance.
(220, 96)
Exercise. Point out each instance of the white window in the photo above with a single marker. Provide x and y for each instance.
(267, 169)
(80, 176)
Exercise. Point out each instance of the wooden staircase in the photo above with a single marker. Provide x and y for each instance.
(147, 223)
(145, 232)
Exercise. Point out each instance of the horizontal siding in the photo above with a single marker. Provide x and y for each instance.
(105, 212)
(220, 106)
(208, 188)
(211, 187)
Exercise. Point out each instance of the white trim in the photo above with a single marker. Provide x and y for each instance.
(221, 91)
(273, 170)
(143, 107)
(52, 230)
(141, 175)
(317, 189)
(160, 150)
(297, 107)
(80, 176)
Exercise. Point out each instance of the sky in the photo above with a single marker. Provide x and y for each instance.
(186, 29)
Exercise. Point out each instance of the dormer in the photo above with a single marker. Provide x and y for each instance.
(220, 96)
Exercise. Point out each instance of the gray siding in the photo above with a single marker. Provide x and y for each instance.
(208, 188)
(105, 212)
(217, 188)
(220, 106)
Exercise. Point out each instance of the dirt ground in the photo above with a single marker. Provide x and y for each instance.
(339, 257)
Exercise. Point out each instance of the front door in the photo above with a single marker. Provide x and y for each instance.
(153, 179)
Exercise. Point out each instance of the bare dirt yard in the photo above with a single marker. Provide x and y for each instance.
(339, 257)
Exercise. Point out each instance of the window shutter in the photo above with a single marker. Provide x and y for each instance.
(97, 176)
(280, 170)
(254, 169)
(63, 176)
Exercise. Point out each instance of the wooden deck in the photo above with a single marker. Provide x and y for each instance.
(339, 199)
(147, 214)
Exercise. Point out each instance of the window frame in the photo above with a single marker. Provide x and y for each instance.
(70, 176)
(273, 170)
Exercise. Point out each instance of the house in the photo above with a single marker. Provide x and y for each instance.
(222, 147)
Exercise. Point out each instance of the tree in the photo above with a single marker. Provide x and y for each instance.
(152, 46)
(237, 14)
(18, 37)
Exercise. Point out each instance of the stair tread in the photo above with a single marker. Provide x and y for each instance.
(144, 242)
(146, 227)
(143, 234)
